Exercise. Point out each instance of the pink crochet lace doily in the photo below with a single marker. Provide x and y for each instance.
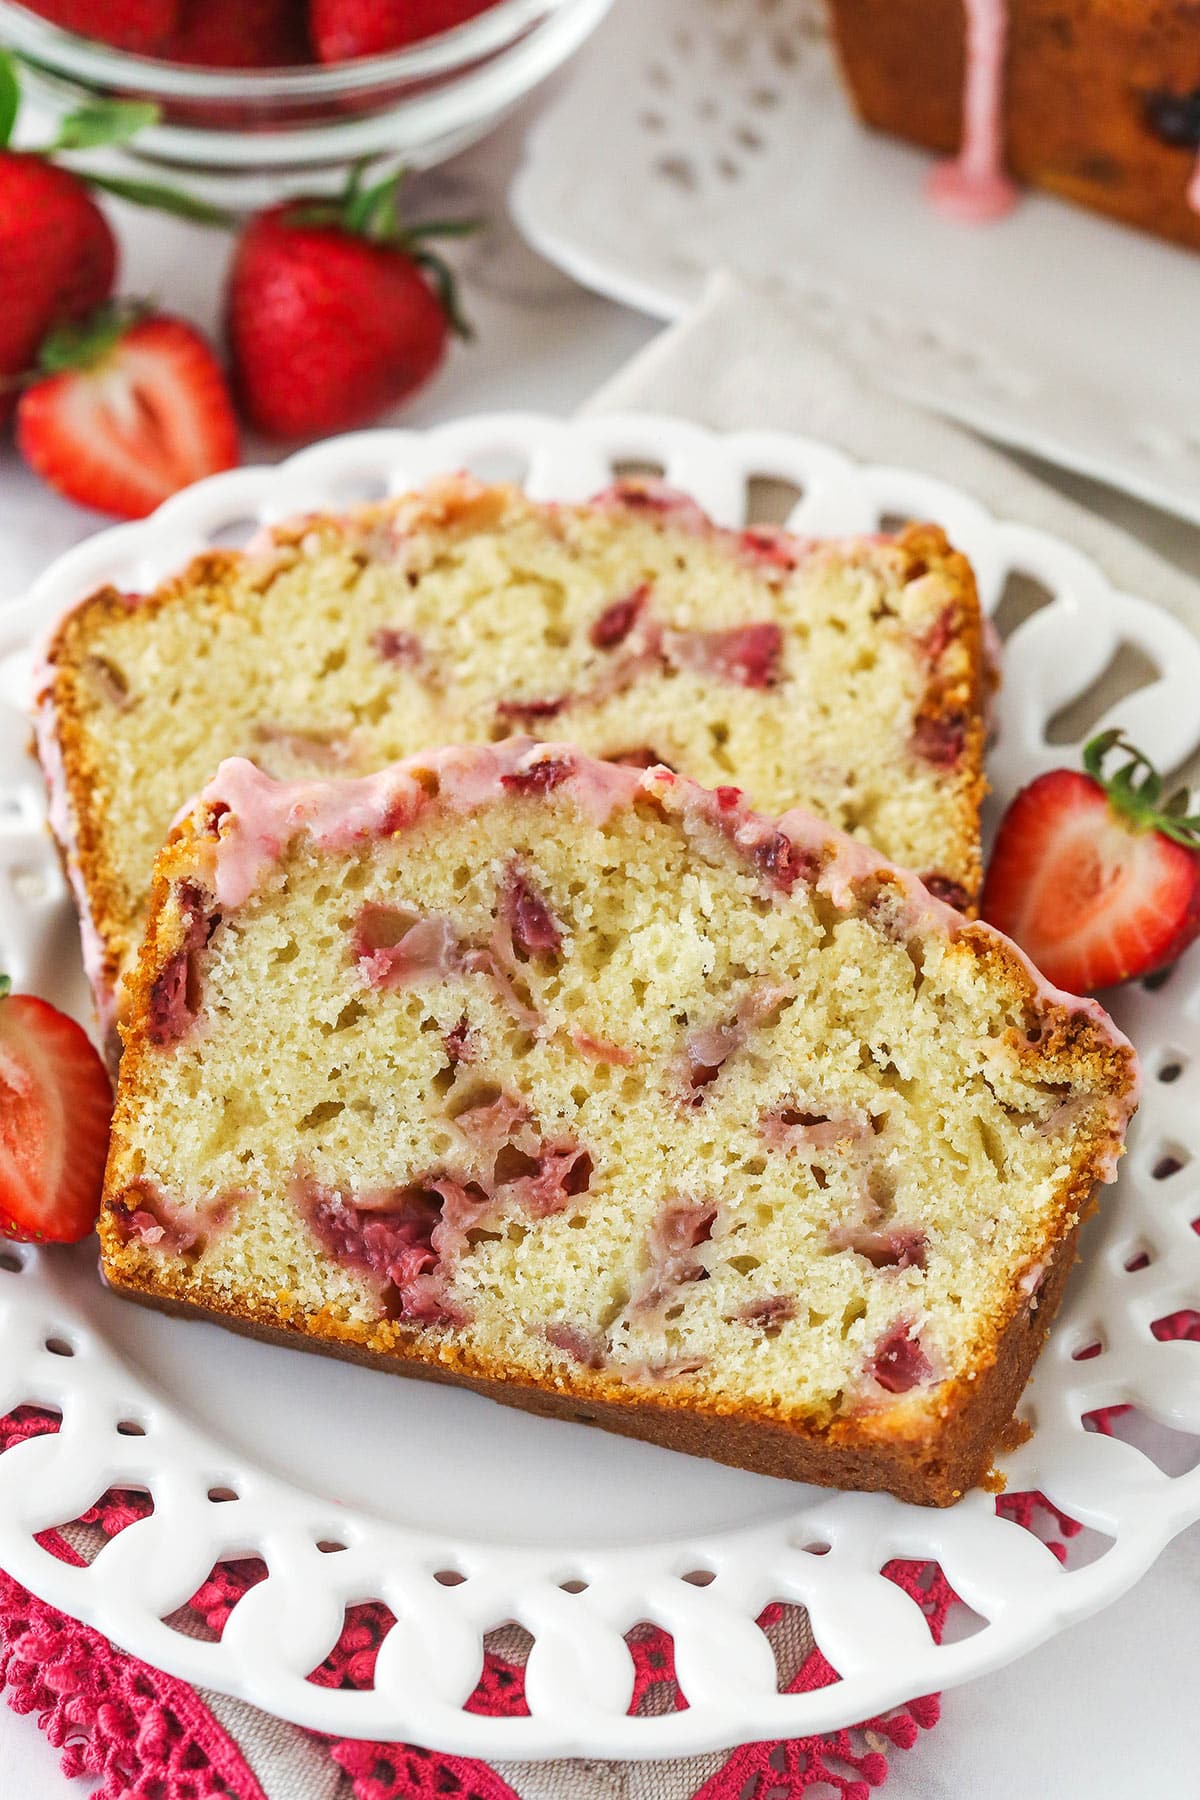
(148, 1736)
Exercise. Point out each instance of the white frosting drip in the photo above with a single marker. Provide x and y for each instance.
(975, 187)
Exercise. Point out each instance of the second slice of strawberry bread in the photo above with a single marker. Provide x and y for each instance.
(845, 675)
(596, 1090)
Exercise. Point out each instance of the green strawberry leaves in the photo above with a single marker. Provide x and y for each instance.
(441, 279)
(102, 122)
(89, 127)
(10, 97)
(1136, 791)
(82, 343)
(373, 212)
(158, 198)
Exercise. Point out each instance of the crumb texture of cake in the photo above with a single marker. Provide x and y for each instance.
(844, 676)
(595, 1089)
(1096, 100)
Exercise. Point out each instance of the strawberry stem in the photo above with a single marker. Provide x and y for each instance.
(446, 288)
(1141, 801)
(373, 212)
(5, 986)
(82, 343)
(158, 198)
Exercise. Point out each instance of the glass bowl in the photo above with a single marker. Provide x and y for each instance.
(245, 138)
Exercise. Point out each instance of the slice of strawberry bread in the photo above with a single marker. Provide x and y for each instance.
(845, 676)
(593, 1089)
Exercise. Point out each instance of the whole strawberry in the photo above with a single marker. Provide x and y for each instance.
(142, 26)
(240, 34)
(55, 1107)
(336, 311)
(132, 407)
(347, 28)
(57, 254)
(1097, 877)
(58, 258)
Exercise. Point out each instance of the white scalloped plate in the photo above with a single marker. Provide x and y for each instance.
(727, 141)
(416, 1480)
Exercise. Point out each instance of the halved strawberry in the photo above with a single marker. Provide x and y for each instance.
(1097, 877)
(134, 407)
(55, 1109)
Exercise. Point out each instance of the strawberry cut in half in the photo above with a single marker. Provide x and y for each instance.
(133, 406)
(55, 1109)
(1097, 877)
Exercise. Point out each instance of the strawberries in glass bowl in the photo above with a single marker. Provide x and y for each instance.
(261, 99)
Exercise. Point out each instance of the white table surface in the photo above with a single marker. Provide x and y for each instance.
(1105, 1711)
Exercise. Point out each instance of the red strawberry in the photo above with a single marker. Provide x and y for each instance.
(133, 408)
(1097, 877)
(57, 254)
(336, 311)
(142, 26)
(55, 1108)
(58, 258)
(346, 28)
(241, 34)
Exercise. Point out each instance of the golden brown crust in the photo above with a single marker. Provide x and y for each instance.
(933, 1465)
(957, 693)
(903, 61)
(114, 913)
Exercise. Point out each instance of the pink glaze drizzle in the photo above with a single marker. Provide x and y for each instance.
(974, 187)
(263, 815)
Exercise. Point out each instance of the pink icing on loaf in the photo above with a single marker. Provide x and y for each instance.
(974, 187)
(253, 818)
(259, 816)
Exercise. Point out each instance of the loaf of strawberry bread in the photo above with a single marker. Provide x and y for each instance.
(1097, 100)
(599, 1092)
